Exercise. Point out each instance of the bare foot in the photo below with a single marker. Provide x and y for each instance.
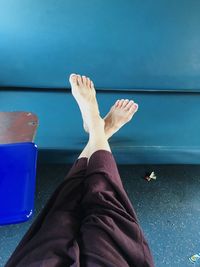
(120, 113)
(84, 92)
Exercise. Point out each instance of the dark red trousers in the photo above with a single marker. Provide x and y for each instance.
(88, 221)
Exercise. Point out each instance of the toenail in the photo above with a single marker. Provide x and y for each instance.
(88, 81)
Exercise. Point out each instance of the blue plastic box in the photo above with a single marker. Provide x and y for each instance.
(18, 163)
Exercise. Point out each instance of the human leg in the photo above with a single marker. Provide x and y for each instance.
(119, 114)
(51, 239)
(110, 234)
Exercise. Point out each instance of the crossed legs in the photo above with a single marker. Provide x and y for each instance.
(109, 233)
(89, 220)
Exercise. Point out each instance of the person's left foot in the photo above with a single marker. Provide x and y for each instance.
(85, 95)
(120, 113)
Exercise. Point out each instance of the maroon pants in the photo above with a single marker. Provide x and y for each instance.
(88, 221)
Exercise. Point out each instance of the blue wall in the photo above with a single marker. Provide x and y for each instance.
(127, 46)
(165, 129)
(120, 44)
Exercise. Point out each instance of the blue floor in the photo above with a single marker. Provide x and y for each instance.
(168, 209)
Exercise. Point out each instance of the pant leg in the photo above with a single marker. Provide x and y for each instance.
(51, 239)
(110, 234)
(78, 169)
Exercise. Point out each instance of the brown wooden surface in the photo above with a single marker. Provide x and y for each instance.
(17, 127)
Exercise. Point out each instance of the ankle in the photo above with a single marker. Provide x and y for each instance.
(96, 124)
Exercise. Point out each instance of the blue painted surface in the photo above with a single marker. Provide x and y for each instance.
(17, 181)
(168, 209)
(165, 129)
(119, 44)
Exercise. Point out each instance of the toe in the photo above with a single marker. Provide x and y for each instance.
(73, 78)
(84, 79)
(130, 103)
(136, 106)
(80, 82)
(120, 103)
(133, 108)
(92, 84)
(88, 82)
(125, 103)
(117, 103)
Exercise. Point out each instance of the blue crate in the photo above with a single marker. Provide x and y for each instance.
(18, 163)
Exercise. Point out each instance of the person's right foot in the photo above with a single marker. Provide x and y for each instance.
(120, 113)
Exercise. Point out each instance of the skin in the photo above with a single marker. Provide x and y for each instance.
(99, 129)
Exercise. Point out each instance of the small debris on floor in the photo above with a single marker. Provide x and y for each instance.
(194, 258)
(149, 176)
